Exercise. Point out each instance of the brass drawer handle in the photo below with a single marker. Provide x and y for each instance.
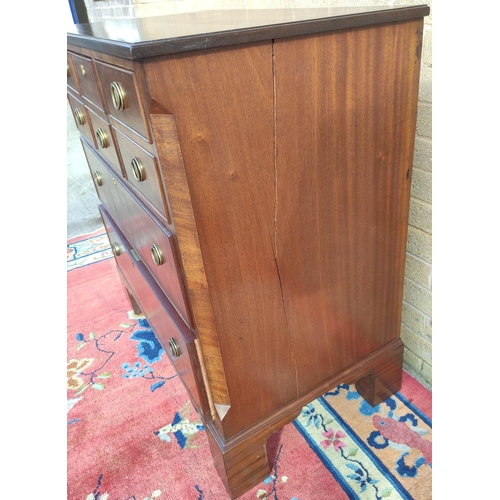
(118, 96)
(79, 116)
(156, 254)
(174, 347)
(137, 169)
(98, 178)
(116, 249)
(102, 138)
(82, 68)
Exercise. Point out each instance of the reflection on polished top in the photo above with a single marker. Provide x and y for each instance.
(168, 34)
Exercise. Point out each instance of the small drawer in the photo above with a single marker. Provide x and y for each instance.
(123, 98)
(85, 75)
(104, 180)
(71, 76)
(177, 340)
(142, 171)
(81, 116)
(104, 139)
(154, 243)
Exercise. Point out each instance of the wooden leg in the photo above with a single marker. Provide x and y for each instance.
(240, 466)
(384, 379)
(245, 461)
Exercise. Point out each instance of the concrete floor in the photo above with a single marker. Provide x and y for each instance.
(82, 201)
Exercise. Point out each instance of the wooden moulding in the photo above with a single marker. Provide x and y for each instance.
(242, 460)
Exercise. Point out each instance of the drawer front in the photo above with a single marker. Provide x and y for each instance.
(142, 171)
(177, 340)
(81, 116)
(104, 139)
(71, 76)
(123, 99)
(84, 72)
(154, 244)
(104, 180)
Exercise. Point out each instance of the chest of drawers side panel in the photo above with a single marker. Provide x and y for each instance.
(222, 100)
(343, 186)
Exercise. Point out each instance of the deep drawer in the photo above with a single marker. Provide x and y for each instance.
(154, 243)
(177, 340)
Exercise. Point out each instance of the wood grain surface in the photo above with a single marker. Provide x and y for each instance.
(346, 112)
(223, 103)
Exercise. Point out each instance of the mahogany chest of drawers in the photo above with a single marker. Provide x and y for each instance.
(254, 170)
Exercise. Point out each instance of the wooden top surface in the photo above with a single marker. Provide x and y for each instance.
(170, 34)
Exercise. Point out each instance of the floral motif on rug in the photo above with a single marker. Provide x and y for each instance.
(91, 370)
(374, 452)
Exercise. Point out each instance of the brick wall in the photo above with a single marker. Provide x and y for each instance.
(416, 327)
(109, 9)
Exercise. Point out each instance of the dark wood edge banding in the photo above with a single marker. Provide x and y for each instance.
(165, 45)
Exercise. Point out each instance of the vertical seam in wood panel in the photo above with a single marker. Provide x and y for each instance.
(275, 161)
(276, 220)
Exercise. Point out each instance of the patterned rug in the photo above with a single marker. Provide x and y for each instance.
(133, 434)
